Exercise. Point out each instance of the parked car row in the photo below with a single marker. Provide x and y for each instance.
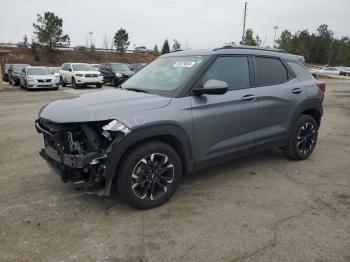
(74, 74)
(338, 70)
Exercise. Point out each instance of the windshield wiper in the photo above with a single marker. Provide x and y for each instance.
(136, 90)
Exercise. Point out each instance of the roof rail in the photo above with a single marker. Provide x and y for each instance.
(265, 48)
(177, 50)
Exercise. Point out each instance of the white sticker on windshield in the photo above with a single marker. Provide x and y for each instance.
(184, 64)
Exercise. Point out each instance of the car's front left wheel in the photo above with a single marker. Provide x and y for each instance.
(149, 175)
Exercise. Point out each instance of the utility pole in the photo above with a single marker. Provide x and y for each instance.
(274, 38)
(245, 15)
(90, 33)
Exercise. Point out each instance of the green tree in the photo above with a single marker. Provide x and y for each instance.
(49, 32)
(165, 48)
(156, 50)
(121, 40)
(249, 38)
(176, 45)
(320, 47)
(25, 40)
(285, 41)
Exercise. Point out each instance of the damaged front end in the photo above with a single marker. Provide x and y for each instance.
(78, 152)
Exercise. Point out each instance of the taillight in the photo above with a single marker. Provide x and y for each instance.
(321, 85)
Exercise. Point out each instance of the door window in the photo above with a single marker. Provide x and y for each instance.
(233, 70)
(270, 71)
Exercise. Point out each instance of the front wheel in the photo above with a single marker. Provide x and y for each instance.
(149, 175)
(74, 84)
(302, 139)
(62, 82)
(114, 82)
(98, 85)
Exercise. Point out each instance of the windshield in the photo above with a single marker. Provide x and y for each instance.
(165, 73)
(54, 69)
(38, 71)
(119, 67)
(82, 67)
(18, 67)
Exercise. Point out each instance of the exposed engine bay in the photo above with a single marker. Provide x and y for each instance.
(78, 151)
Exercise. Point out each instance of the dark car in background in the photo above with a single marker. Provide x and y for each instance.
(115, 73)
(14, 72)
(4, 72)
(137, 67)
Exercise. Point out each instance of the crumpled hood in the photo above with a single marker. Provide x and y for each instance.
(101, 105)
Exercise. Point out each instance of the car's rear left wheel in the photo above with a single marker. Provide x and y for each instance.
(149, 175)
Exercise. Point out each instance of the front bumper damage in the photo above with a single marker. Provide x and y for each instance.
(87, 169)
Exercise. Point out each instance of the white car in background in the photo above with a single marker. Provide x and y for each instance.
(80, 74)
(330, 71)
(316, 69)
(37, 77)
(344, 71)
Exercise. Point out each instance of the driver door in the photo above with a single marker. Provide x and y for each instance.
(225, 124)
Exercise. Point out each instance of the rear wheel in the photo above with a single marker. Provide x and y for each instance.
(149, 175)
(303, 138)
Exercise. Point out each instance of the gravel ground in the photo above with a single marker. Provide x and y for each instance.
(261, 208)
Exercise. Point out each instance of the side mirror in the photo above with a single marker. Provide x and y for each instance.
(212, 87)
(70, 69)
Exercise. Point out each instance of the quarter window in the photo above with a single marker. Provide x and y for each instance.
(270, 71)
(300, 71)
(233, 70)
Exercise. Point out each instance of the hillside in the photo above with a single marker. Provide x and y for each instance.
(24, 55)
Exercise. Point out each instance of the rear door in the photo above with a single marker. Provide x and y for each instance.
(224, 124)
(279, 93)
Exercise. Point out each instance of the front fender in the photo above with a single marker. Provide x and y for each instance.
(119, 147)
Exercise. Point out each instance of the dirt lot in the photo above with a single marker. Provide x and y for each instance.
(262, 208)
(23, 55)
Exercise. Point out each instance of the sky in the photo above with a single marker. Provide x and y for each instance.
(196, 24)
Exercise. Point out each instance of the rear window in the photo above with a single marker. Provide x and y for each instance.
(270, 71)
(300, 71)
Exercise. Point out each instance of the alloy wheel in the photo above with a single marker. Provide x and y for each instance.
(152, 176)
(306, 138)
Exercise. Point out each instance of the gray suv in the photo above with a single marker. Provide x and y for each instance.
(183, 112)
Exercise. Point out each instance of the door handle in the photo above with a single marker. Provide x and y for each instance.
(248, 98)
(296, 90)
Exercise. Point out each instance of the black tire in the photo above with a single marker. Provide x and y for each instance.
(98, 85)
(74, 84)
(302, 139)
(62, 82)
(161, 183)
(114, 82)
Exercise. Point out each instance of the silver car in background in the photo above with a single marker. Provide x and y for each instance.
(36, 77)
